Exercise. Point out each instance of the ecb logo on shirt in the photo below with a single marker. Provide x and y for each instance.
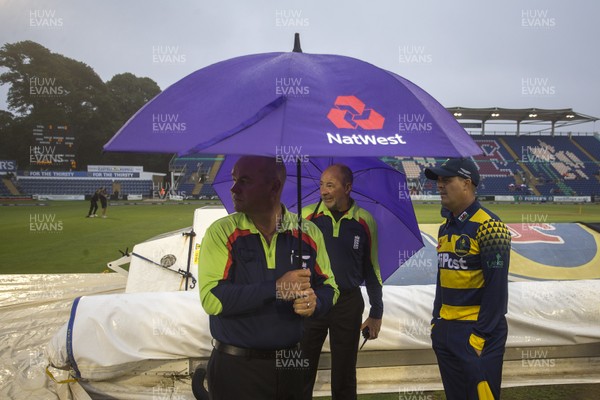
(462, 246)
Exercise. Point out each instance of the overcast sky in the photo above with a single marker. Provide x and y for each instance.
(470, 53)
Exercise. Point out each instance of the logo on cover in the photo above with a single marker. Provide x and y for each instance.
(349, 112)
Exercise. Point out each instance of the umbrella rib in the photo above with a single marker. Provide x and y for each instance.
(377, 202)
(262, 113)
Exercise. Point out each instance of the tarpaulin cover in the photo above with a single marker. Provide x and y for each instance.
(32, 309)
(106, 335)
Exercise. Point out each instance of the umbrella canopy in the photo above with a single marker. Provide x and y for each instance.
(310, 104)
(307, 105)
(377, 187)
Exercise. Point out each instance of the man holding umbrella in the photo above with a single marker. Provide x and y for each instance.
(469, 329)
(254, 292)
(350, 234)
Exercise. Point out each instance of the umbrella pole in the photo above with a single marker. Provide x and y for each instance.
(299, 190)
(298, 49)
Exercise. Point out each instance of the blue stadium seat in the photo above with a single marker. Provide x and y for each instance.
(558, 164)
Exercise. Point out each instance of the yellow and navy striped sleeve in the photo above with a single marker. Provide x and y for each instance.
(494, 248)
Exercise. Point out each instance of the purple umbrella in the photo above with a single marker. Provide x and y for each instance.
(307, 104)
(312, 104)
(378, 188)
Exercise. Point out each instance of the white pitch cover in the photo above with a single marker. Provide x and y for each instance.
(111, 333)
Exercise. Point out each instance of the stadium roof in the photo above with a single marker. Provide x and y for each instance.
(558, 118)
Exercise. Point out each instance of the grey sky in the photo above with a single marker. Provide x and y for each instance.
(472, 53)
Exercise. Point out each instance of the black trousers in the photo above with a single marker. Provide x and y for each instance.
(93, 207)
(343, 323)
(465, 375)
(243, 378)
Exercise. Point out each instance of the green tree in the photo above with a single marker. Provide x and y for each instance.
(49, 88)
(6, 119)
(12, 145)
(128, 93)
(7, 136)
(44, 84)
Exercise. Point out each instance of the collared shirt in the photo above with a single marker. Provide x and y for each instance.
(473, 260)
(352, 247)
(238, 269)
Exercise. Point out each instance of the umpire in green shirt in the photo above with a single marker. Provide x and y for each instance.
(254, 292)
(350, 235)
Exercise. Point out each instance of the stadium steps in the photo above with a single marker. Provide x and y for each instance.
(512, 153)
(583, 150)
(215, 167)
(10, 186)
(515, 156)
(197, 188)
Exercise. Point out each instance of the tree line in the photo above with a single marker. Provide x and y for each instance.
(47, 88)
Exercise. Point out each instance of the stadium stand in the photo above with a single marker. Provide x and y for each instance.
(186, 188)
(509, 165)
(143, 187)
(191, 173)
(41, 186)
(589, 144)
(4, 191)
(557, 164)
(207, 192)
(535, 165)
(79, 186)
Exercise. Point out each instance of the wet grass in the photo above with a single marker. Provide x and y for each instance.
(57, 238)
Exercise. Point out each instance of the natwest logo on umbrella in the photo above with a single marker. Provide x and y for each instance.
(350, 113)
